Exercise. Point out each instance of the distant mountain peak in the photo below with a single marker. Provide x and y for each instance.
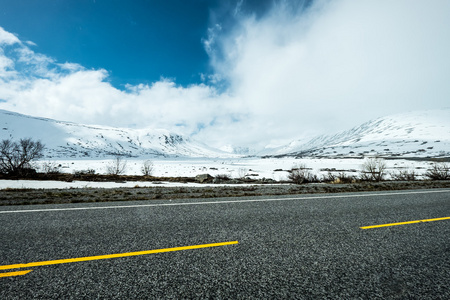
(412, 134)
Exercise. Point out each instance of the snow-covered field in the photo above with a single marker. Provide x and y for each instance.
(273, 168)
(80, 147)
(234, 168)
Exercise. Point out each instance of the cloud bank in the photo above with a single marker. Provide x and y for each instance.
(287, 73)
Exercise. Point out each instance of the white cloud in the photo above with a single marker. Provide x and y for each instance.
(38, 86)
(84, 96)
(6, 66)
(289, 73)
(339, 64)
(7, 38)
(30, 43)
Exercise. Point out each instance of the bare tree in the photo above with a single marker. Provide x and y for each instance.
(438, 171)
(117, 167)
(16, 157)
(147, 168)
(373, 169)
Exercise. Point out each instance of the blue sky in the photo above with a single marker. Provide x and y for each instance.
(253, 73)
(136, 41)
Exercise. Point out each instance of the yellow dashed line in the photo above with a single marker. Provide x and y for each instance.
(98, 257)
(404, 223)
(11, 274)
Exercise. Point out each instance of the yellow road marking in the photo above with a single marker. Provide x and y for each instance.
(404, 223)
(98, 257)
(11, 274)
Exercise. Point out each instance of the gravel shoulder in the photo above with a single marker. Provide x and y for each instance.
(86, 195)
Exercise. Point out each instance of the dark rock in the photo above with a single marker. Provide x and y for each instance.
(202, 178)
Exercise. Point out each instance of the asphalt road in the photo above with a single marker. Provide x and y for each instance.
(298, 247)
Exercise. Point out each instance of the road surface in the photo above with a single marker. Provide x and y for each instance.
(308, 246)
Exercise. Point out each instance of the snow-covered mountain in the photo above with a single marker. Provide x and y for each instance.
(413, 134)
(65, 139)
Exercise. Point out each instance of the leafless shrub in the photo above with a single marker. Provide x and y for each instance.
(373, 169)
(242, 172)
(342, 177)
(223, 177)
(405, 175)
(301, 174)
(118, 166)
(438, 171)
(330, 177)
(16, 157)
(147, 168)
(84, 172)
(51, 167)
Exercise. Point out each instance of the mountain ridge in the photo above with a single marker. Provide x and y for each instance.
(73, 140)
(423, 134)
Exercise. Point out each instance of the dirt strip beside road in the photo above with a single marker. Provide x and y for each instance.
(85, 195)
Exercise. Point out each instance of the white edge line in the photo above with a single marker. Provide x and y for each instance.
(223, 202)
